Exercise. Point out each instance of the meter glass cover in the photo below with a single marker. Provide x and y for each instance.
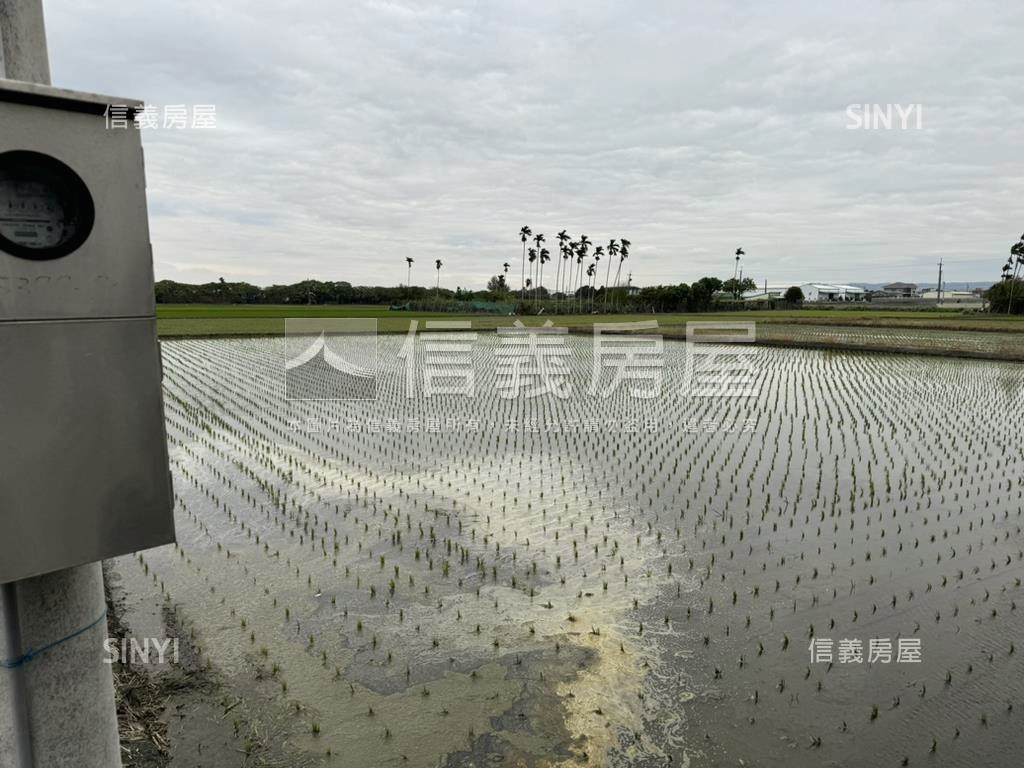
(46, 211)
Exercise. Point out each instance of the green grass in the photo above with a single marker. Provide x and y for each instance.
(227, 311)
(238, 320)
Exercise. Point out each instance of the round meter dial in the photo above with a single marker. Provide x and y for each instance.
(46, 211)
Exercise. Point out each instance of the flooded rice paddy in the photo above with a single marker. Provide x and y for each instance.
(605, 581)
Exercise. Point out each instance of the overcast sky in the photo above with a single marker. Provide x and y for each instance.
(353, 133)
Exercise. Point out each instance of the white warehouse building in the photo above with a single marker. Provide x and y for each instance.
(769, 291)
(811, 291)
(831, 292)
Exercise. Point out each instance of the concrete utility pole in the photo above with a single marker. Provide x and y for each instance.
(938, 288)
(57, 708)
(23, 53)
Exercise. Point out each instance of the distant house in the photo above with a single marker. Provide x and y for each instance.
(897, 291)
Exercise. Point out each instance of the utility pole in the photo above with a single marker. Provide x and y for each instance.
(938, 288)
(23, 53)
(56, 708)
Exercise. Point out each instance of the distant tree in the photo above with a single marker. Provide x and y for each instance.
(497, 284)
(591, 273)
(1016, 253)
(582, 251)
(736, 287)
(533, 258)
(568, 260)
(598, 253)
(793, 295)
(701, 293)
(999, 296)
(563, 238)
(666, 298)
(623, 255)
(170, 292)
(538, 239)
(613, 251)
(544, 257)
(524, 235)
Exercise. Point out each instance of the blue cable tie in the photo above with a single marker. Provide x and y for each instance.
(32, 653)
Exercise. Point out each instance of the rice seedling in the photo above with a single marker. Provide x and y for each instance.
(837, 516)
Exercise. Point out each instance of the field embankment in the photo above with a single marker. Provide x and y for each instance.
(941, 332)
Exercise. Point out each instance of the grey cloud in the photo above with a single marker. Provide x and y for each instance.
(353, 134)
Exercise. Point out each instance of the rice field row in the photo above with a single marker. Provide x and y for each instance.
(622, 581)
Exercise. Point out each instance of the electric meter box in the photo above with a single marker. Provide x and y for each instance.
(83, 450)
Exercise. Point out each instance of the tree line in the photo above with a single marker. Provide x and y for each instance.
(303, 292)
(699, 296)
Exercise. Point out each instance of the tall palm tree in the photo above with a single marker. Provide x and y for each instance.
(598, 253)
(613, 250)
(577, 282)
(506, 265)
(623, 255)
(1017, 253)
(524, 235)
(562, 238)
(736, 269)
(408, 279)
(533, 258)
(537, 240)
(583, 246)
(545, 256)
(570, 252)
(591, 271)
(558, 271)
(437, 288)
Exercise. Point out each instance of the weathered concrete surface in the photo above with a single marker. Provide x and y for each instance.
(71, 711)
(23, 53)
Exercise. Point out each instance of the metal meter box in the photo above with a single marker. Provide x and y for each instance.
(83, 451)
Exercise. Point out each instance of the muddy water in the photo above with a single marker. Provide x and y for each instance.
(606, 581)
